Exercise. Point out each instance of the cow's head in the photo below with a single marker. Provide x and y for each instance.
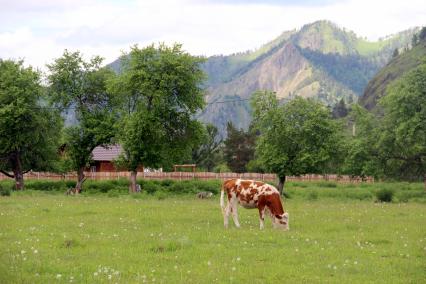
(282, 221)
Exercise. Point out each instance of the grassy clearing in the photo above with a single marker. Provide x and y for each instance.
(46, 237)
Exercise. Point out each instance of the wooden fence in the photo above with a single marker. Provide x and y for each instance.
(190, 175)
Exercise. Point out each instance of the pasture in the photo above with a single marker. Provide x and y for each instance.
(46, 237)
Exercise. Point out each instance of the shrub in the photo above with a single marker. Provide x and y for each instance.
(150, 186)
(384, 195)
(47, 185)
(167, 182)
(4, 190)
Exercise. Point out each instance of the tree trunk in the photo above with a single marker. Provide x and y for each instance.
(80, 180)
(281, 182)
(19, 179)
(132, 185)
(17, 173)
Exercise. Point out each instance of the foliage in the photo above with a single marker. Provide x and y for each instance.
(361, 157)
(28, 130)
(207, 154)
(340, 110)
(384, 195)
(401, 140)
(81, 85)
(239, 148)
(222, 168)
(395, 69)
(159, 93)
(422, 34)
(4, 190)
(296, 138)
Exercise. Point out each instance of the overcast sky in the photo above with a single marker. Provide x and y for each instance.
(39, 30)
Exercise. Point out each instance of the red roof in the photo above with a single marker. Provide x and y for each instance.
(108, 153)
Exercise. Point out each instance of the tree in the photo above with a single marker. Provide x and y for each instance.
(361, 157)
(395, 53)
(414, 40)
(160, 92)
(239, 148)
(340, 110)
(207, 153)
(28, 139)
(402, 138)
(81, 85)
(422, 34)
(295, 138)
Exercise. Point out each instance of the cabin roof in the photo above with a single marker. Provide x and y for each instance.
(108, 153)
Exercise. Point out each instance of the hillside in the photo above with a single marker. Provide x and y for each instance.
(399, 65)
(320, 60)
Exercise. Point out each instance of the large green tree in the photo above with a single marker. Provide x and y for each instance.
(296, 138)
(402, 137)
(28, 130)
(160, 92)
(81, 85)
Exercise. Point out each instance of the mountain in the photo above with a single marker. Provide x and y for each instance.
(320, 60)
(398, 66)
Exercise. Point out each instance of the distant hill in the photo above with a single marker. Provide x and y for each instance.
(398, 66)
(320, 60)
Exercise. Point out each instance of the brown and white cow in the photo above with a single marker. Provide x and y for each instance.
(253, 194)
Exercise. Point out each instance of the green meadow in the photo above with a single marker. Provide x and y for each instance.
(338, 234)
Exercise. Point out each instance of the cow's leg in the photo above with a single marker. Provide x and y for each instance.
(226, 214)
(235, 212)
(261, 208)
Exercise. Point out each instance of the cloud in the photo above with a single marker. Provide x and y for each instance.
(39, 31)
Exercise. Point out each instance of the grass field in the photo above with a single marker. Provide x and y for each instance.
(47, 237)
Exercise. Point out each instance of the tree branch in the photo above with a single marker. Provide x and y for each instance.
(7, 174)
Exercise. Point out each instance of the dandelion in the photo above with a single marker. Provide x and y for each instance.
(109, 277)
(35, 251)
(238, 258)
(233, 268)
(23, 252)
(209, 263)
(95, 274)
(335, 267)
(355, 262)
(58, 276)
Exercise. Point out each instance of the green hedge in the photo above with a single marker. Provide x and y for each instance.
(310, 191)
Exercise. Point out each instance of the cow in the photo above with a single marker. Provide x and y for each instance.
(253, 194)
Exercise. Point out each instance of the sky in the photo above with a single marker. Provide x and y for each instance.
(38, 31)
